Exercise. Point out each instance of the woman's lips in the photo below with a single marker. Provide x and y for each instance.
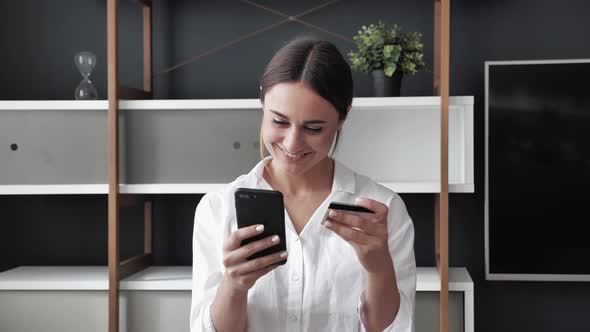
(293, 156)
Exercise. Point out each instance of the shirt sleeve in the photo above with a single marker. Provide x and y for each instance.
(208, 235)
(401, 248)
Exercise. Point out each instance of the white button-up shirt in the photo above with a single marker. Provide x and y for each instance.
(321, 287)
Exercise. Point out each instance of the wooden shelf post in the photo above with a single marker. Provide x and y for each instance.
(117, 269)
(441, 87)
(113, 165)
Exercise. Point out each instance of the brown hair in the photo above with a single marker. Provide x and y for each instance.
(317, 63)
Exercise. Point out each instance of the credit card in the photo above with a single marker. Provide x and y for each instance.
(350, 208)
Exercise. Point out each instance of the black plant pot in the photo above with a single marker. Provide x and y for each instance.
(384, 86)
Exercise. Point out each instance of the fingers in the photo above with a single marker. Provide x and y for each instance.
(242, 273)
(241, 253)
(359, 222)
(247, 268)
(234, 241)
(246, 281)
(379, 208)
(347, 233)
(258, 274)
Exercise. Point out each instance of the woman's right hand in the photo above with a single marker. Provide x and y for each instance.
(240, 273)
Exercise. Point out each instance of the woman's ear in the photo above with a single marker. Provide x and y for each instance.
(348, 111)
(341, 122)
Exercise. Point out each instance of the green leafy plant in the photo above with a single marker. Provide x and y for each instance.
(384, 47)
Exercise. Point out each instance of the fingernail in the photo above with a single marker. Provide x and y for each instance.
(333, 213)
(275, 238)
(260, 228)
(327, 223)
(283, 254)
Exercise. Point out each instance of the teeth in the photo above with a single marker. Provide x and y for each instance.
(292, 155)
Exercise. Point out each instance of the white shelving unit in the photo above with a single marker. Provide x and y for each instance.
(404, 138)
(178, 278)
(166, 278)
(207, 104)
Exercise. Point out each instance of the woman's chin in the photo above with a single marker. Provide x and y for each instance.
(292, 167)
(295, 167)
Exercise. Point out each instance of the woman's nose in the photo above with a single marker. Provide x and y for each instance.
(293, 141)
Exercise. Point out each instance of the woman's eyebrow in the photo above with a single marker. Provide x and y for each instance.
(287, 118)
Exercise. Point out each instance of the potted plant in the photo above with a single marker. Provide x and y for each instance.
(388, 54)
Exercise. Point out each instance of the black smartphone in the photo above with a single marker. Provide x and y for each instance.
(259, 206)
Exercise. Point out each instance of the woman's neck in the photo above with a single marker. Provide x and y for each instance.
(317, 179)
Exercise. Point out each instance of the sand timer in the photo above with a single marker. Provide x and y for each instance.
(85, 62)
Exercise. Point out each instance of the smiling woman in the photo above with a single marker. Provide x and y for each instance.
(345, 272)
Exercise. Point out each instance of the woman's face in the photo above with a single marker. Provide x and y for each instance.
(298, 127)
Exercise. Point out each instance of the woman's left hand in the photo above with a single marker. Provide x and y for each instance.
(366, 233)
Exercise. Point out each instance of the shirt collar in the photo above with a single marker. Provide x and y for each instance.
(343, 177)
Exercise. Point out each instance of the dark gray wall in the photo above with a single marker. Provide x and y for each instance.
(511, 30)
(39, 38)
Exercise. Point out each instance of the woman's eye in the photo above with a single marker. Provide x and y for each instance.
(280, 123)
(314, 129)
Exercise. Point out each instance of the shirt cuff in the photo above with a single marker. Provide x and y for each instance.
(403, 321)
(207, 320)
(361, 312)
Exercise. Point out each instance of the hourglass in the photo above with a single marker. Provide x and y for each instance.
(85, 62)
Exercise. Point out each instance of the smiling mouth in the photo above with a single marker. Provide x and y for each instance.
(293, 156)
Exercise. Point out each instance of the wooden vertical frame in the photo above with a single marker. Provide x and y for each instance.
(147, 215)
(441, 86)
(147, 48)
(117, 269)
(113, 165)
(148, 85)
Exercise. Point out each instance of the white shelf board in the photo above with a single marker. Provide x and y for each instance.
(55, 278)
(166, 278)
(171, 188)
(461, 187)
(208, 104)
(189, 104)
(41, 105)
(428, 279)
(413, 187)
(160, 278)
(427, 187)
(194, 188)
(54, 189)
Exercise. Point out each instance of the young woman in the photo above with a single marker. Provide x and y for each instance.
(351, 273)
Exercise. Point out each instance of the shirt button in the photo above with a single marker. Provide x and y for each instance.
(295, 277)
(293, 318)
